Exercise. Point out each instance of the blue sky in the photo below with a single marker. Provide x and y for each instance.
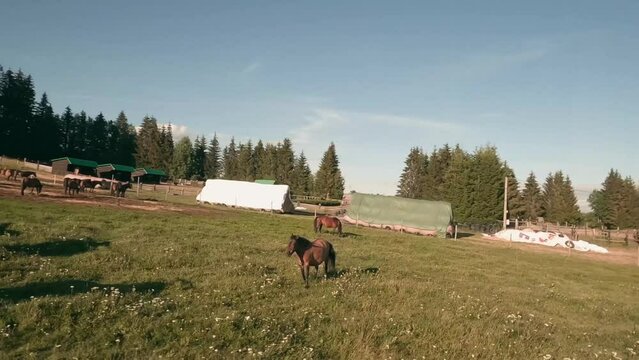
(553, 84)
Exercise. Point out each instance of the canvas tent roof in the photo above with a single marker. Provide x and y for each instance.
(148, 171)
(246, 194)
(78, 162)
(118, 167)
(411, 215)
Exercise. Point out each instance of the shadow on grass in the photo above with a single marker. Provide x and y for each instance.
(461, 235)
(350, 234)
(72, 287)
(4, 230)
(58, 247)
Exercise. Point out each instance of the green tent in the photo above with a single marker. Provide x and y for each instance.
(411, 215)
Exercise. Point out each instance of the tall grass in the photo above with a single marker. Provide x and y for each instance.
(79, 281)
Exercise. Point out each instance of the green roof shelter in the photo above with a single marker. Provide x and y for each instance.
(115, 171)
(148, 175)
(65, 165)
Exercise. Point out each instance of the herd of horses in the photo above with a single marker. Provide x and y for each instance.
(72, 184)
(317, 252)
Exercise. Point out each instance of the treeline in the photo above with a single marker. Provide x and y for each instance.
(474, 185)
(30, 129)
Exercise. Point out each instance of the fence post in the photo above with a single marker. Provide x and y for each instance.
(54, 178)
(166, 195)
(138, 191)
(455, 231)
(38, 165)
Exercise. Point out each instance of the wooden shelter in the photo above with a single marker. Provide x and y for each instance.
(148, 176)
(115, 171)
(65, 165)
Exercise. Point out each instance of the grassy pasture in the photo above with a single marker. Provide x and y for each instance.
(98, 282)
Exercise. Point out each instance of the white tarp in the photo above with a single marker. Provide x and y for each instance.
(246, 194)
(546, 238)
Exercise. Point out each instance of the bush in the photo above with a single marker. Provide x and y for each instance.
(322, 202)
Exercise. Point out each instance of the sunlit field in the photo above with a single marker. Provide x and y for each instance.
(104, 282)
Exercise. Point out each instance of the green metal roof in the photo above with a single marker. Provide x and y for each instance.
(265, 181)
(78, 162)
(150, 171)
(118, 167)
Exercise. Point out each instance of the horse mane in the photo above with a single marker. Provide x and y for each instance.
(302, 240)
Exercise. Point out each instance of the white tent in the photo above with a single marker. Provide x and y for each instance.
(247, 195)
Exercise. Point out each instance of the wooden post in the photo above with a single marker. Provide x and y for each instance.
(166, 195)
(505, 202)
(455, 231)
(54, 178)
(138, 191)
(357, 221)
(182, 191)
(38, 165)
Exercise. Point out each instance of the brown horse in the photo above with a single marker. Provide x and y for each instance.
(312, 254)
(71, 186)
(330, 222)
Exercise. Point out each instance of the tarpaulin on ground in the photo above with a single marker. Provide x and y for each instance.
(397, 213)
(247, 195)
(547, 238)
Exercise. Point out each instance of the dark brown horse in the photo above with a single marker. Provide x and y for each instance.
(32, 183)
(118, 189)
(71, 186)
(312, 254)
(330, 222)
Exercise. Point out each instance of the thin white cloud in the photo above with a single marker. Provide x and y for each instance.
(252, 67)
(178, 131)
(319, 121)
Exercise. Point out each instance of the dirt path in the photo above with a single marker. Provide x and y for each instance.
(100, 198)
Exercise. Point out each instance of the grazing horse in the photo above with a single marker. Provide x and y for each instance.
(32, 183)
(71, 186)
(87, 184)
(119, 188)
(312, 254)
(328, 221)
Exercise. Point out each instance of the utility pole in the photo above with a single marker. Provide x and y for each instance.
(505, 202)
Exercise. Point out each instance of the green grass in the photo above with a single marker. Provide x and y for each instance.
(89, 282)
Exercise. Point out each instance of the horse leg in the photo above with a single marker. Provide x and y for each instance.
(316, 270)
(302, 271)
(306, 273)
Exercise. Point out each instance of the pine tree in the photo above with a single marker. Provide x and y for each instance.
(112, 143)
(45, 131)
(486, 182)
(246, 162)
(213, 165)
(79, 142)
(198, 159)
(302, 177)
(18, 103)
(97, 136)
(259, 155)
(285, 162)
(166, 146)
(559, 202)
(457, 184)
(435, 171)
(68, 129)
(268, 163)
(531, 198)
(149, 146)
(329, 182)
(182, 158)
(516, 205)
(230, 161)
(125, 151)
(617, 203)
(411, 182)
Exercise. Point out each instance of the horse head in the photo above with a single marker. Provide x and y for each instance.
(292, 244)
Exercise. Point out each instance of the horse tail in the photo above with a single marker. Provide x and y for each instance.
(332, 256)
(315, 221)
